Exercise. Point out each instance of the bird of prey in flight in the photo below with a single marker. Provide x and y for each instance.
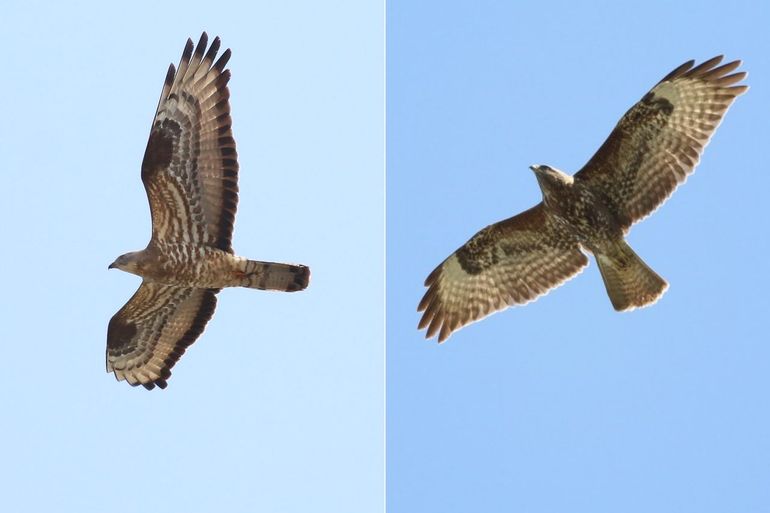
(651, 151)
(190, 174)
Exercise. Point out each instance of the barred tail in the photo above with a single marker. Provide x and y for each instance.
(629, 281)
(274, 276)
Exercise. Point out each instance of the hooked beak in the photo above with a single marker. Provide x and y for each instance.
(534, 168)
(111, 266)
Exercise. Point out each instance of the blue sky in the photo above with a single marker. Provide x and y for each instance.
(566, 405)
(279, 406)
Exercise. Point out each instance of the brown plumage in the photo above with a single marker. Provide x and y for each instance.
(651, 151)
(190, 174)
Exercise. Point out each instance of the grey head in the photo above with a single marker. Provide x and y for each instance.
(128, 262)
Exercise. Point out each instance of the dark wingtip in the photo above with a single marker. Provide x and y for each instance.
(424, 320)
(739, 90)
(222, 62)
(188, 49)
(705, 66)
(202, 43)
(679, 70)
(170, 74)
(213, 49)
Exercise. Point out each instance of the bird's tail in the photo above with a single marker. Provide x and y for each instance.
(629, 281)
(274, 276)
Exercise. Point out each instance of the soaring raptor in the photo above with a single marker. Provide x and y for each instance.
(652, 150)
(190, 174)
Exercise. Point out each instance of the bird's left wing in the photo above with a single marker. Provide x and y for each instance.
(659, 141)
(510, 262)
(151, 332)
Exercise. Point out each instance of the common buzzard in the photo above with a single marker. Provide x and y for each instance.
(190, 174)
(651, 151)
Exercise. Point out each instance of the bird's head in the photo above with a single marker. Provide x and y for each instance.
(128, 262)
(551, 180)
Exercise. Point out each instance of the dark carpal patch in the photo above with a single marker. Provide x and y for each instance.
(478, 253)
(160, 148)
(120, 334)
(658, 104)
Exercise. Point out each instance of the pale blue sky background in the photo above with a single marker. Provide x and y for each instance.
(279, 406)
(565, 405)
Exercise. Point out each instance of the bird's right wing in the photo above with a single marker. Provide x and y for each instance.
(659, 141)
(510, 262)
(151, 332)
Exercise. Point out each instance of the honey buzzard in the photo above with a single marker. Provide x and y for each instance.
(190, 174)
(651, 151)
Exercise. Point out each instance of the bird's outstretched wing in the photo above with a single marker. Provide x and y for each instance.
(151, 332)
(658, 142)
(190, 167)
(510, 262)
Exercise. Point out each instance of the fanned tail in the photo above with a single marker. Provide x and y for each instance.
(629, 281)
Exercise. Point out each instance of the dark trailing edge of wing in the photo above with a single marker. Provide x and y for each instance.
(206, 311)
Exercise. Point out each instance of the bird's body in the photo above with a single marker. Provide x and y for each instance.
(578, 209)
(584, 215)
(180, 263)
(190, 174)
(651, 151)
